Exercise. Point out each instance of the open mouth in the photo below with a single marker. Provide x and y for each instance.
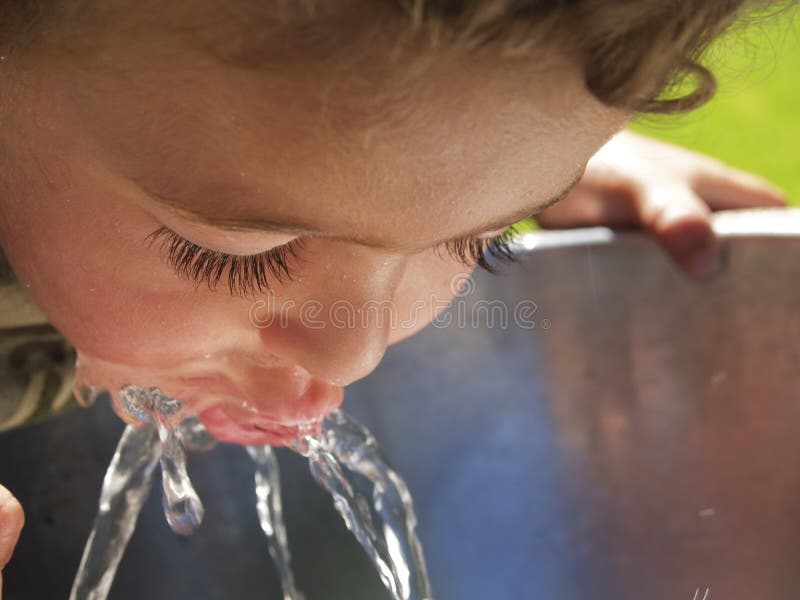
(241, 404)
(239, 416)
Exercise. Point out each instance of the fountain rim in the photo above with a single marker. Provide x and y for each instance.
(727, 224)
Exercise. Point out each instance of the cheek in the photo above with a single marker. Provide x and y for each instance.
(429, 284)
(81, 251)
(80, 248)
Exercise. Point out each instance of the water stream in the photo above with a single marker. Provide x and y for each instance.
(270, 516)
(373, 500)
(125, 488)
(344, 459)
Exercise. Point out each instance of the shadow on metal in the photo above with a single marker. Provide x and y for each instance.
(625, 434)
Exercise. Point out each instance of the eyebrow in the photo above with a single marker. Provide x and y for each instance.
(300, 227)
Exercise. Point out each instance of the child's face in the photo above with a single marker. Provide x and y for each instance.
(369, 169)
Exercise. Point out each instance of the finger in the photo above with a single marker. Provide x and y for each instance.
(11, 521)
(726, 188)
(680, 221)
(588, 206)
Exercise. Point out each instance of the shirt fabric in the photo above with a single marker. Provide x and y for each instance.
(37, 364)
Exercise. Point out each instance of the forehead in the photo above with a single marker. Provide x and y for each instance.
(365, 144)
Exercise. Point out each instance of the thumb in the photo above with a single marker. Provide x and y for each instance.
(11, 521)
(681, 222)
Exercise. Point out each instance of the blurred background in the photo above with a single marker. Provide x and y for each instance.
(754, 121)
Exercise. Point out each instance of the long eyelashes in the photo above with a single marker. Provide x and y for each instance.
(245, 275)
(487, 253)
(251, 274)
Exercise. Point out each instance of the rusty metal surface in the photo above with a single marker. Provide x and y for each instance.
(640, 441)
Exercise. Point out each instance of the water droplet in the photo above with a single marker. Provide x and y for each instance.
(137, 402)
(182, 506)
(194, 436)
(87, 396)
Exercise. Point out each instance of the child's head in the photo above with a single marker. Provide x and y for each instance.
(163, 164)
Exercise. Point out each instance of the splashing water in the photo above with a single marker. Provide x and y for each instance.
(344, 459)
(127, 484)
(125, 488)
(182, 506)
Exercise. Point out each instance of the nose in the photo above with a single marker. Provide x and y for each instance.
(334, 320)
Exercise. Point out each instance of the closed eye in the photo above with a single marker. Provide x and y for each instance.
(244, 274)
(251, 274)
(485, 252)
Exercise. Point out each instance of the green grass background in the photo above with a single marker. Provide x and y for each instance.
(753, 122)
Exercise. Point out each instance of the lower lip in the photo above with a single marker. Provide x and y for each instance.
(252, 431)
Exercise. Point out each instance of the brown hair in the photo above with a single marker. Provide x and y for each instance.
(634, 52)
(641, 55)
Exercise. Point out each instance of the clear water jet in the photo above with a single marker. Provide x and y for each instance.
(270, 516)
(344, 458)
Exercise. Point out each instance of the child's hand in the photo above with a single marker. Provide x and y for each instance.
(667, 190)
(11, 521)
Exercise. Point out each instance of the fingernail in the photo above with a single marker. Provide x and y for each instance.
(704, 264)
